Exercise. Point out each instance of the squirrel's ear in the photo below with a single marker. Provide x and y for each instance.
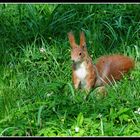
(71, 39)
(82, 40)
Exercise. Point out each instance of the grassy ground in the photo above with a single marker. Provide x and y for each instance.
(37, 97)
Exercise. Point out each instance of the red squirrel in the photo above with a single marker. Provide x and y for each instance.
(87, 75)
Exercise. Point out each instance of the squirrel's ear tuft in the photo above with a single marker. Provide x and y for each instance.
(71, 39)
(82, 40)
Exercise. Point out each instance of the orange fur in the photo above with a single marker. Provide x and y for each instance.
(114, 67)
(106, 70)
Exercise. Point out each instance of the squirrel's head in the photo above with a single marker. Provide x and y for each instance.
(78, 52)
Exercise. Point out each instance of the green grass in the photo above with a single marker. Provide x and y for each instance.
(37, 97)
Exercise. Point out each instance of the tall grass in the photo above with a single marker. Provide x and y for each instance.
(37, 97)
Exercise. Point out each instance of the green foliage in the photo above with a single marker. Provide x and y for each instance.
(37, 97)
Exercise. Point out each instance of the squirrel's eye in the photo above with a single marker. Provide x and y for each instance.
(79, 53)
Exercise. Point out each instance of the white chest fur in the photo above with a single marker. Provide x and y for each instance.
(81, 71)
